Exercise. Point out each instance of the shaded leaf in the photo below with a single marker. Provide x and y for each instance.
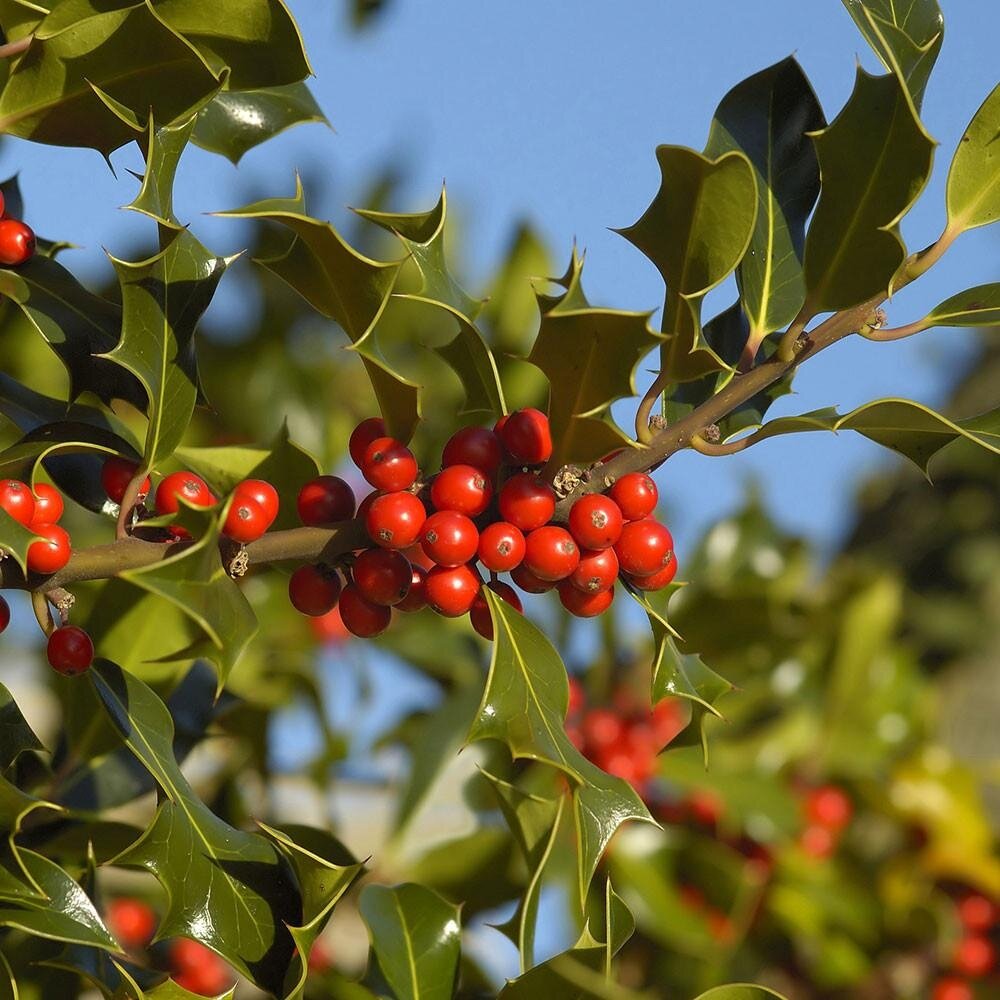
(739, 991)
(973, 193)
(15, 539)
(853, 248)
(16, 736)
(979, 306)
(21, 460)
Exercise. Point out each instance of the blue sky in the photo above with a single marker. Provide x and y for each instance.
(551, 112)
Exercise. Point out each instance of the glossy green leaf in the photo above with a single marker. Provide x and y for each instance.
(21, 460)
(20, 17)
(853, 248)
(163, 299)
(164, 147)
(236, 121)
(54, 91)
(979, 306)
(766, 117)
(906, 37)
(740, 991)
(589, 357)
(226, 888)
(169, 990)
(16, 736)
(15, 539)
(973, 193)
(416, 937)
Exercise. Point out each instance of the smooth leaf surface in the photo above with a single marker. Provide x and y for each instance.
(853, 248)
(164, 147)
(21, 460)
(740, 991)
(979, 306)
(416, 937)
(973, 192)
(15, 539)
(16, 736)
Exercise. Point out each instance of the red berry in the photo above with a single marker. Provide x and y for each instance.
(636, 495)
(601, 728)
(329, 628)
(550, 553)
(131, 921)
(706, 807)
(645, 547)
(362, 436)
(668, 720)
(17, 500)
(325, 500)
(17, 242)
(395, 520)
(659, 580)
(451, 590)
(313, 590)
(527, 437)
(382, 576)
(245, 521)
(501, 547)
(595, 521)
(527, 502)
(182, 486)
(829, 806)
(198, 969)
(263, 494)
(950, 988)
(974, 957)
(361, 617)
(528, 582)
(577, 697)
(818, 841)
(50, 555)
(576, 602)
(482, 620)
(49, 505)
(416, 597)
(70, 650)
(3, 204)
(116, 474)
(462, 488)
(449, 538)
(475, 446)
(4, 614)
(977, 913)
(366, 503)
(596, 571)
(389, 465)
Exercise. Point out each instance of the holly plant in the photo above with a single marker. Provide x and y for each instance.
(195, 574)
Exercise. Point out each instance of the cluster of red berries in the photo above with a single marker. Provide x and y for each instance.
(489, 506)
(624, 740)
(17, 240)
(828, 811)
(974, 957)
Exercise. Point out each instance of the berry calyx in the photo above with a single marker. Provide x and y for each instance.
(451, 590)
(182, 486)
(596, 571)
(313, 590)
(416, 596)
(263, 494)
(17, 242)
(501, 547)
(325, 500)
(576, 602)
(636, 495)
(389, 465)
(475, 446)
(550, 553)
(595, 521)
(527, 502)
(245, 520)
(461, 488)
(479, 615)
(116, 474)
(362, 436)
(361, 617)
(17, 500)
(70, 650)
(395, 520)
(51, 552)
(449, 538)
(382, 576)
(527, 437)
(131, 921)
(644, 548)
(49, 505)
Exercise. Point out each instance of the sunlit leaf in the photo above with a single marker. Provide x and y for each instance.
(164, 147)
(973, 193)
(979, 306)
(740, 991)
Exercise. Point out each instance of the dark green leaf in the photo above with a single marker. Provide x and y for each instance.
(15, 539)
(238, 120)
(767, 117)
(979, 306)
(739, 991)
(229, 889)
(21, 460)
(973, 194)
(16, 735)
(853, 248)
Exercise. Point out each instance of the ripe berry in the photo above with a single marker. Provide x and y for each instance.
(416, 597)
(974, 957)
(361, 617)
(475, 446)
(329, 628)
(449, 538)
(658, 580)
(245, 521)
(313, 590)
(116, 474)
(182, 486)
(818, 841)
(325, 500)
(362, 436)
(17, 500)
(198, 969)
(602, 728)
(596, 571)
(389, 465)
(263, 494)
(528, 582)
(595, 521)
(645, 547)
(451, 590)
(49, 505)
(480, 616)
(17, 242)
(636, 495)
(382, 576)
(706, 807)
(462, 488)
(576, 602)
(394, 520)
(51, 554)
(501, 547)
(550, 553)
(131, 921)
(977, 913)
(527, 437)
(950, 988)
(4, 614)
(829, 806)
(70, 650)
(527, 502)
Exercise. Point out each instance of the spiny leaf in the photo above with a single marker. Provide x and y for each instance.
(236, 121)
(973, 193)
(164, 148)
(416, 937)
(853, 248)
(767, 117)
(227, 888)
(21, 460)
(979, 306)
(906, 39)
(16, 736)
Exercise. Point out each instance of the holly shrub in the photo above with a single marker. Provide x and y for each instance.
(307, 730)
